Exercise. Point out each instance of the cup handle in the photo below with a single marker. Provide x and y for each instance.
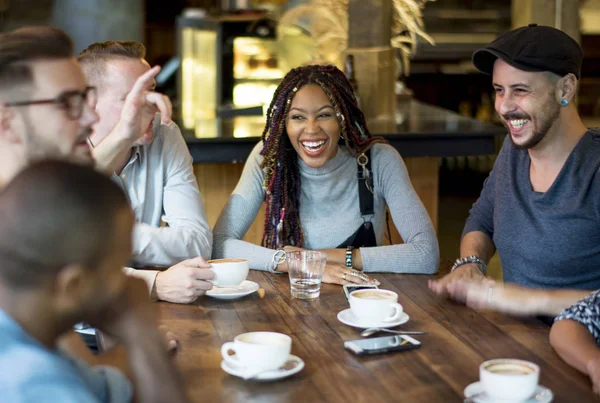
(225, 348)
(396, 315)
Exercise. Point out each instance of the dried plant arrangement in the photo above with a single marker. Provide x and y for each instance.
(327, 23)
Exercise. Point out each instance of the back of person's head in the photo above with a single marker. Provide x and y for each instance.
(93, 59)
(21, 47)
(52, 215)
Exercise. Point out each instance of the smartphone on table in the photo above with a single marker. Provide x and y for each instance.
(380, 345)
(348, 288)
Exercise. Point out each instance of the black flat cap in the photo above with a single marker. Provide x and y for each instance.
(532, 48)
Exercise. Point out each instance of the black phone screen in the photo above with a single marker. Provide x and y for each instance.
(380, 345)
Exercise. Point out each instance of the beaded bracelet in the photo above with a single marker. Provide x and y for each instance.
(349, 256)
(470, 259)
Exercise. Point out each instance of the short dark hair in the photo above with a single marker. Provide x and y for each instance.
(22, 46)
(93, 58)
(53, 214)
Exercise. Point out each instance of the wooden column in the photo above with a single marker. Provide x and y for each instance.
(369, 33)
(561, 14)
(369, 23)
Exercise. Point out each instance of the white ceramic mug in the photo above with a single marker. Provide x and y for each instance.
(509, 379)
(258, 351)
(375, 306)
(229, 272)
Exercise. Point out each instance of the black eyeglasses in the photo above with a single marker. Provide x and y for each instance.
(71, 101)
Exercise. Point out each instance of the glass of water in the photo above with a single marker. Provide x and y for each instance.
(306, 271)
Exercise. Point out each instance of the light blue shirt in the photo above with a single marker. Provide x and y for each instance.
(30, 372)
(161, 187)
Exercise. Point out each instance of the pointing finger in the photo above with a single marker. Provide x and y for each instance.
(144, 81)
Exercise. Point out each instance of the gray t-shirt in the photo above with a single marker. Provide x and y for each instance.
(330, 213)
(549, 239)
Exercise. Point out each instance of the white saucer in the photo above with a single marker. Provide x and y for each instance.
(269, 375)
(542, 395)
(347, 318)
(245, 288)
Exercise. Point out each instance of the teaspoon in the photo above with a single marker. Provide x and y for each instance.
(290, 364)
(372, 330)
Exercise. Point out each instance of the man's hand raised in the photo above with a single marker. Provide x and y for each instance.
(140, 107)
(184, 282)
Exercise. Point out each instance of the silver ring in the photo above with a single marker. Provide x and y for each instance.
(489, 294)
(360, 275)
(344, 276)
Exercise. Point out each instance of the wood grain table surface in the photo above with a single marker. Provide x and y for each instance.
(458, 340)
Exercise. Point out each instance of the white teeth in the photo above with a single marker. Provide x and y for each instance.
(313, 145)
(518, 123)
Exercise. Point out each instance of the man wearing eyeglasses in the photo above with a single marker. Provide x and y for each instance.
(46, 109)
(152, 164)
(46, 112)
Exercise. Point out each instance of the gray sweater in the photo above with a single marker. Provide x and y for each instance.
(550, 239)
(330, 213)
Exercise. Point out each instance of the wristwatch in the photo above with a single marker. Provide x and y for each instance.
(470, 259)
(278, 257)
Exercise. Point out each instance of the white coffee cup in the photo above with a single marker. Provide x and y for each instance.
(509, 379)
(229, 272)
(375, 306)
(258, 351)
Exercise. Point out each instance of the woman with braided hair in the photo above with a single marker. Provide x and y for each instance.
(325, 182)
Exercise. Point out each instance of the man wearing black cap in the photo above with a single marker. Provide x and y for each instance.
(540, 206)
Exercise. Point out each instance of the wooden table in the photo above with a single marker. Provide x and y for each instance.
(458, 339)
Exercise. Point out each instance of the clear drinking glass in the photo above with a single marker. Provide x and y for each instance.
(306, 271)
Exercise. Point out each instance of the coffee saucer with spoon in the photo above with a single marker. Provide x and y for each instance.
(372, 330)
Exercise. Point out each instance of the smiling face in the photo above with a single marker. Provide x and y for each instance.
(526, 103)
(312, 126)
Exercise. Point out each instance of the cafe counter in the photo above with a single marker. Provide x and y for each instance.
(422, 134)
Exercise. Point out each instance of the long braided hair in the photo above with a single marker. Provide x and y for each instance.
(280, 163)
